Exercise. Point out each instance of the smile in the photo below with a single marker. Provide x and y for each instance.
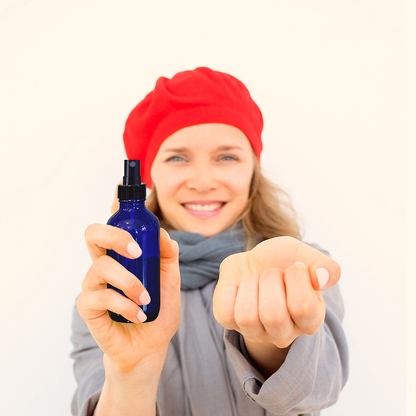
(204, 210)
(210, 207)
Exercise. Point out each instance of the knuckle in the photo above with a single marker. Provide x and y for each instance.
(298, 267)
(302, 309)
(283, 333)
(230, 260)
(88, 278)
(272, 318)
(133, 285)
(89, 231)
(102, 263)
(109, 296)
(98, 269)
(254, 336)
(118, 236)
(311, 328)
(80, 304)
(84, 284)
(225, 319)
(247, 319)
(309, 331)
(224, 264)
(283, 342)
(115, 237)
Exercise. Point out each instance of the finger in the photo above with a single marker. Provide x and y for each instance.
(100, 238)
(290, 251)
(324, 271)
(246, 310)
(94, 305)
(225, 294)
(273, 309)
(169, 249)
(232, 267)
(305, 305)
(223, 304)
(170, 278)
(106, 270)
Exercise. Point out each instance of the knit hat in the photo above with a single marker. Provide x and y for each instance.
(189, 98)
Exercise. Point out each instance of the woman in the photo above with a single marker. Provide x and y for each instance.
(258, 339)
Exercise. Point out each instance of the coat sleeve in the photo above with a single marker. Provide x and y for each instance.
(88, 368)
(313, 374)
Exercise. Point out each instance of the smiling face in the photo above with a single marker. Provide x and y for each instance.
(202, 175)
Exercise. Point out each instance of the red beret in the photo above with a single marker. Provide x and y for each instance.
(189, 98)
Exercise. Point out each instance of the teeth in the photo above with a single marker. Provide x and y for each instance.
(211, 207)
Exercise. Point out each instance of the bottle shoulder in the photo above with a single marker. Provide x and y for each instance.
(137, 218)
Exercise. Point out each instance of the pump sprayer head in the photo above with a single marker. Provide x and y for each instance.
(132, 187)
(132, 172)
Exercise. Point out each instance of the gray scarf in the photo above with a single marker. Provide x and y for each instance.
(200, 362)
(200, 257)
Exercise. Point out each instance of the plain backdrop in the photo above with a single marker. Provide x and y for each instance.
(330, 78)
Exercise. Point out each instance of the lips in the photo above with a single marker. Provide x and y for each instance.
(203, 209)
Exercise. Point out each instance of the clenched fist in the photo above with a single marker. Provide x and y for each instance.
(272, 293)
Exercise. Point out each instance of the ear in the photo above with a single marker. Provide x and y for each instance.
(116, 204)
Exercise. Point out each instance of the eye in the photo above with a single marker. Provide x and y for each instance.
(228, 158)
(175, 159)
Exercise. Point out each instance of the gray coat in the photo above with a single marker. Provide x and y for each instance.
(213, 375)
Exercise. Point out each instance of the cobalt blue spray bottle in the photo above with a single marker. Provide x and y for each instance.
(144, 226)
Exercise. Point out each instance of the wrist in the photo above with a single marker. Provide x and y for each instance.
(125, 391)
(149, 365)
(266, 356)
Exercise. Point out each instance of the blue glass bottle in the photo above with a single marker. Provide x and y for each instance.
(144, 226)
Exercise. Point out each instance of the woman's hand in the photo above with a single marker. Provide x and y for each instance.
(127, 345)
(272, 294)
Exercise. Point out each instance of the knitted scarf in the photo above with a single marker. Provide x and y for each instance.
(200, 257)
(200, 352)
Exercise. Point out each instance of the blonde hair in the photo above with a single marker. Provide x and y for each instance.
(269, 211)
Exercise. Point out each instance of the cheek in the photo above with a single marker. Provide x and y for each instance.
(166, 182)
(240, 184)
(240, 196)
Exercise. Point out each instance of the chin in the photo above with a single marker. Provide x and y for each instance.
(207, 234)
(207, 230)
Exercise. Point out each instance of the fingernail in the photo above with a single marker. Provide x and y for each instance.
(141, 316)
(166, 233)
(299, 262)
(323, 276)
(134, 249)
(144, 298)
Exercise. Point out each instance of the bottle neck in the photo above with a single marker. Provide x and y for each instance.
(129, 204)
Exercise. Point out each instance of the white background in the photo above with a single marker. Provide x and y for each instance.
(331, 79)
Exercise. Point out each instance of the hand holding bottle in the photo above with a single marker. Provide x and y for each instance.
(128, 345)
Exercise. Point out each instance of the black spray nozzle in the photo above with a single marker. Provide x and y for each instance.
(132, 187)
(132, 172)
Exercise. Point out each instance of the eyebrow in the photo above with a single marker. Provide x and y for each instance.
(184, 149)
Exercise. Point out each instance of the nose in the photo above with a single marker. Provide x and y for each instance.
(202, 178)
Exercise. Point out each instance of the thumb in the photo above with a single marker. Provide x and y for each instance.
(169, 249)
(169, 262)
(282, 252)
(324, 273)
(323, 270)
